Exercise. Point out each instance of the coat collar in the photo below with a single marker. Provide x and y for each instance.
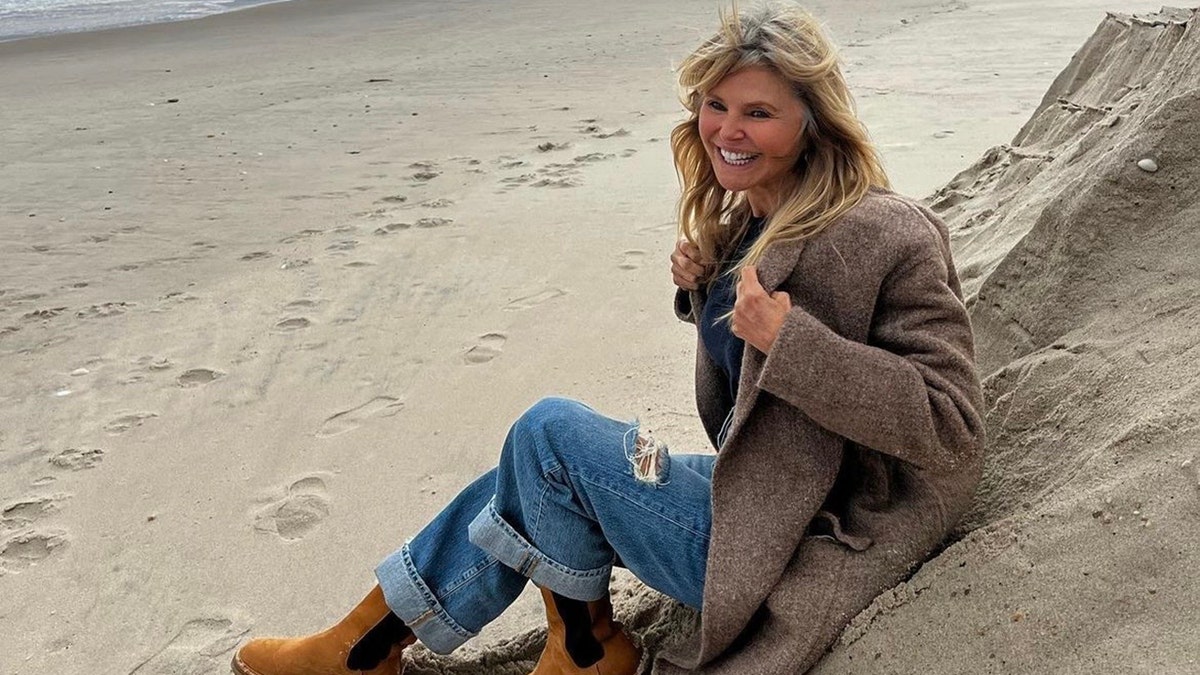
(777, 263)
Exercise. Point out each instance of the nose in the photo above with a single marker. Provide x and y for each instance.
(731, 129)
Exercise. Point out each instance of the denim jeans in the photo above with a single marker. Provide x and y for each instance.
(564, 505)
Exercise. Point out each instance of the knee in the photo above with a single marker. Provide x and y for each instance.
(549, 415)
(550, 425)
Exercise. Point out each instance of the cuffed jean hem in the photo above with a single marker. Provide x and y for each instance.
(490, 532)
(410, 599)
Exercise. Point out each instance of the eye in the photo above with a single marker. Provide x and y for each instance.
(715, 105)
(760, 114)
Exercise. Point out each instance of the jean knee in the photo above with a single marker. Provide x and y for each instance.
(543, 425)
(562, 427)
(550, 411)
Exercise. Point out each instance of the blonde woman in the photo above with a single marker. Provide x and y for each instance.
(834, 376)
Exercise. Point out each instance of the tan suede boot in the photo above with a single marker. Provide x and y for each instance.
(369, 640)
(583, 638)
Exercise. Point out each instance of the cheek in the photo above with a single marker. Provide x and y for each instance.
(708, 126)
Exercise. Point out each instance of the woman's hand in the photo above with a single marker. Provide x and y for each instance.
(686, 267)
(758, 316)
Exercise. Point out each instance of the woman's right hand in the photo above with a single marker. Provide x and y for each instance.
(686, 267)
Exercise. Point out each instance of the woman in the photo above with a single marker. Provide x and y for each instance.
(834, 375)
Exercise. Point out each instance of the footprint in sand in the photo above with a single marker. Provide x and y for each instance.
(303, 303)
(296, 510)
(21, 543)
(302, 234)
(201, 646)
(518, 180)
(424, 176)
(428, 223)
(77, 459)
(439, 203)
(373, 214)
(293, 324)
(43, 314)
(632, 259)
(26, 511)
(196, 377)
(531, 301)
(557, 183)
(342, 245)
(29, 547)
(126, 422)
(392, 227)
(349, 420)
(486, 348)
(256, 255)
(594, 157)
(103, 310)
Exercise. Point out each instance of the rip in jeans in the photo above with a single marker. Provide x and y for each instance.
(649, 458)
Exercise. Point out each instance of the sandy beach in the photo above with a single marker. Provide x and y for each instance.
(274, 283)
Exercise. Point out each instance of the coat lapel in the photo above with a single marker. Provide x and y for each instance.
(777, 263)
(775, 266)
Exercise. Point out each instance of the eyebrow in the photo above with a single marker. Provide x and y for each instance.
(751, 104)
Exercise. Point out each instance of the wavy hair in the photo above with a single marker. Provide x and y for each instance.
(837, 166)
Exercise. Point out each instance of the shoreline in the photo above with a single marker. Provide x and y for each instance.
(237, 6)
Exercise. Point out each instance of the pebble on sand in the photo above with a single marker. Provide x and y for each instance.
(1148, 165)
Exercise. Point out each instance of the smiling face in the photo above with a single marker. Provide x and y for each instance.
(751, 125)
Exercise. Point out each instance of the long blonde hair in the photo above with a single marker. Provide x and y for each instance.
(837, 166)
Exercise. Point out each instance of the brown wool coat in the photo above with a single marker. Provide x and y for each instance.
(855, 444)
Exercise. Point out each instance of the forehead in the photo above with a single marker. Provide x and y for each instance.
(756, 83)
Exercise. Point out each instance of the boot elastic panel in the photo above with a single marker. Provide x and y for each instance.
(581, 644)
(374, 647)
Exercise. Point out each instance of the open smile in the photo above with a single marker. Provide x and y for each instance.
(737, 158)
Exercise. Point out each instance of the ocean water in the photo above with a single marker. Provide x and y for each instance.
(31, 18)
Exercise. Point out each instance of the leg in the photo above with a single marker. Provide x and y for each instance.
(568, 505)
(442, 586)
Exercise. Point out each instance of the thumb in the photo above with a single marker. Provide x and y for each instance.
(750, 275)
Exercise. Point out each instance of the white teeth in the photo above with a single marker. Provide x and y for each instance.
(737, 158)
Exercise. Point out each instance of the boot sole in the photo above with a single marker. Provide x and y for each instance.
(241, 668)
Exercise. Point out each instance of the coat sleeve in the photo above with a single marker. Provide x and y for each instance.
(687, 304)
(912, 391)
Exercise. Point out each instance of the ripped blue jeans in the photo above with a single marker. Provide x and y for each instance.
(574, 494)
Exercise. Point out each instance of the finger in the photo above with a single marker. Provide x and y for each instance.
(686, 250)
(782, 298)
(684, 280)
(746, 288)
(686, 269)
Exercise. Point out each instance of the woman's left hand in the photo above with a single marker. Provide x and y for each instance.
(757, 315)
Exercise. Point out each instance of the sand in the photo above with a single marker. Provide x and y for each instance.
(274, 283)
